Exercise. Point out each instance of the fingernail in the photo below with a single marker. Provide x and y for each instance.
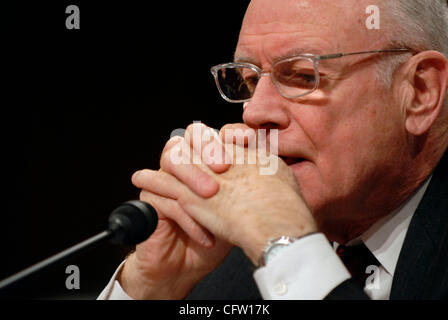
(176, 138)
(136, 174)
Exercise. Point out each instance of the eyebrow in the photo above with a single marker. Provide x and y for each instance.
(290, 53)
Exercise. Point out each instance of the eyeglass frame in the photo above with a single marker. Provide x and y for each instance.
(314, 58)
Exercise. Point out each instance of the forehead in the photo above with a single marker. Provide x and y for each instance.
(277, 29)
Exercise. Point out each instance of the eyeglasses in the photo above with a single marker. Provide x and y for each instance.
(294, 77)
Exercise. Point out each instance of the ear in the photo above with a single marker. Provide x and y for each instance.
(428, 76)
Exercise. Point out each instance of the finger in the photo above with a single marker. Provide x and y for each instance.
(206, 142)
(177, 162)
(170, 209)
(175, 142)
(158, 182)
(192, 206)
(237, 133)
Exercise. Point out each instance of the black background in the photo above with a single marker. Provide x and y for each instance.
(83, 109)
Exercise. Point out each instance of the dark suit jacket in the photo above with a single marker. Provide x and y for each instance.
(421, 271)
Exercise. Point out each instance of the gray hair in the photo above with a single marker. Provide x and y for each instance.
(417, 24)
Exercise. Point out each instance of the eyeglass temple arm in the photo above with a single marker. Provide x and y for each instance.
(338, 55)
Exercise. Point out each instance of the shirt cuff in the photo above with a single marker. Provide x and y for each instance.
(308, 269)
(113, 290)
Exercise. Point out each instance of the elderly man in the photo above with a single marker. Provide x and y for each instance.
(362, 187)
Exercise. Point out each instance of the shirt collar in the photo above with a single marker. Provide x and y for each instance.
(385, 238)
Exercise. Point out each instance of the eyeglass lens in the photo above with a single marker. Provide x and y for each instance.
(293, 78)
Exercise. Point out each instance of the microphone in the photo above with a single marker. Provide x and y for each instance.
(131, 223)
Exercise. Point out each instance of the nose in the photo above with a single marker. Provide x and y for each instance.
(267, 107)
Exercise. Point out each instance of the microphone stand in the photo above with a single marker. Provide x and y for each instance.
(86, 244)
(131, 223)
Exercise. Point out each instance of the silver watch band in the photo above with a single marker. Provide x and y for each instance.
(274, 244)
(282, 241)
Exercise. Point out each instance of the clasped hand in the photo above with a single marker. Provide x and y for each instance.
(205, 207)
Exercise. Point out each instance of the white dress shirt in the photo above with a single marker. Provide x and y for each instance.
(309, 269)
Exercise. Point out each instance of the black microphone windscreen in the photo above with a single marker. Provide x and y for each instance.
(132, 222)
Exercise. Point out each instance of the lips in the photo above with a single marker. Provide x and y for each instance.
(292, 160)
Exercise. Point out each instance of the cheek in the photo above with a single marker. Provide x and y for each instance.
(339, 171)
(328, 176)
(349, 149)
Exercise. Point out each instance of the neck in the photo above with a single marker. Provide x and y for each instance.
(342, 223)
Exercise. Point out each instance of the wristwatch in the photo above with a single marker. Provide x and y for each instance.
(273, 247)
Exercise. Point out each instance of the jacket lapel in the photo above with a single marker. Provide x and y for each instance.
(422, 267)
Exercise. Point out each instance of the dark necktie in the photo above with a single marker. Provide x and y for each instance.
(356, 259)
